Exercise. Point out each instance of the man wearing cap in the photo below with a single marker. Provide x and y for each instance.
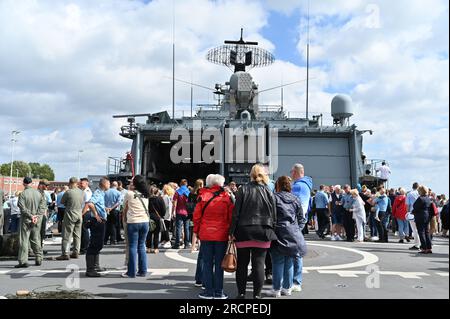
(30, 204)
(72, 221)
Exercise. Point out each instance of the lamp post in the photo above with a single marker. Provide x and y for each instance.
(79, 162)
(13, 141)
(17, 178)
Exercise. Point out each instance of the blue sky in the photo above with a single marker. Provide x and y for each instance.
(66, 67)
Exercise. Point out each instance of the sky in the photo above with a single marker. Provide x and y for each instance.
(67, 66)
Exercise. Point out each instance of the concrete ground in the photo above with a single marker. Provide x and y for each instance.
(332, 270)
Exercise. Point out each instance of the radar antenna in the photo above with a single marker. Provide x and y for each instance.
(240, 54)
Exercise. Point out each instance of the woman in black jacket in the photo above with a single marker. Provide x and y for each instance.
(422, 217)
(156, 210)
(252, 224)
(290, 243)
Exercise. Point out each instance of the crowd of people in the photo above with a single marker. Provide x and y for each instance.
(416, 215)
(266, 221)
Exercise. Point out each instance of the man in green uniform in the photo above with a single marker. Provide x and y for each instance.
(73, 219)
(42, 187)
(30, 203)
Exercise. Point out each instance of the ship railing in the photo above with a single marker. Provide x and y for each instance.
(114, 165)
(371, 166)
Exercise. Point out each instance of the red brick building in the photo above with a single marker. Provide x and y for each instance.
(17, 184)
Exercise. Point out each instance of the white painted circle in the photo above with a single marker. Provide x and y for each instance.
(368, 258)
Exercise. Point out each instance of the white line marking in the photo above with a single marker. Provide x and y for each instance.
(404, 274)
(344, 273)
(368, 258)
(443, 274)
(40, 273)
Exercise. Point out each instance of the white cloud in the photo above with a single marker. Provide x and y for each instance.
(66, 67)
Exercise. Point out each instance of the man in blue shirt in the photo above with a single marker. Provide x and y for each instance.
(349, 222)
(301, 188)
(112, 203)
(98, 215)
(323, 220)
(60, 207)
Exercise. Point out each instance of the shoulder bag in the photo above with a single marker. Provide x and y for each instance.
(152, 223)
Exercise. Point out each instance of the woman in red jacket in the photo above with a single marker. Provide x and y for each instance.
(212, 220)
(399, 211)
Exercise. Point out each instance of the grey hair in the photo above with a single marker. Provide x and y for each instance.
(215, 180)
(337, 186)
(298, 168)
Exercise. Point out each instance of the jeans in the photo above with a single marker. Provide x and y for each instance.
(258, 257)
(137, 233)
(403, 228)
(14, 225)
(283, 271)
(199, 269)
(96, 238)
(298, 270)
(213, 253)
(182, 221)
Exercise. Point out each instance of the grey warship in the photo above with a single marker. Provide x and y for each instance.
(331, 154)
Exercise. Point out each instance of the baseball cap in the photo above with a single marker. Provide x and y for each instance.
(44, 182)
(27, 180)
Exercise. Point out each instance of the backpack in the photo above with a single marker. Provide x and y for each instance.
(191, 203)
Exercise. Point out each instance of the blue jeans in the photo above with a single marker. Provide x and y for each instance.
(137, 233)
(403, 228)
(199, 269)
(282, 270)
(182, 221)
(14, 225)
(213, 253)
(298, 270)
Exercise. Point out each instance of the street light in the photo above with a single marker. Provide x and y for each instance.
(13, 141)
(17, 178)
(79, 162)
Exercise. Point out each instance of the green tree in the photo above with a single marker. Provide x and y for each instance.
(34, 170)
(24, 169)
(46, 172)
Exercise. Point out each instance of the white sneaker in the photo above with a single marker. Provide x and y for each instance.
(167, 245)
(375, 238)
(286, 292)
(275, 293)
(396, 234)
(339, 238)
(296, 288)
(333, 238)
